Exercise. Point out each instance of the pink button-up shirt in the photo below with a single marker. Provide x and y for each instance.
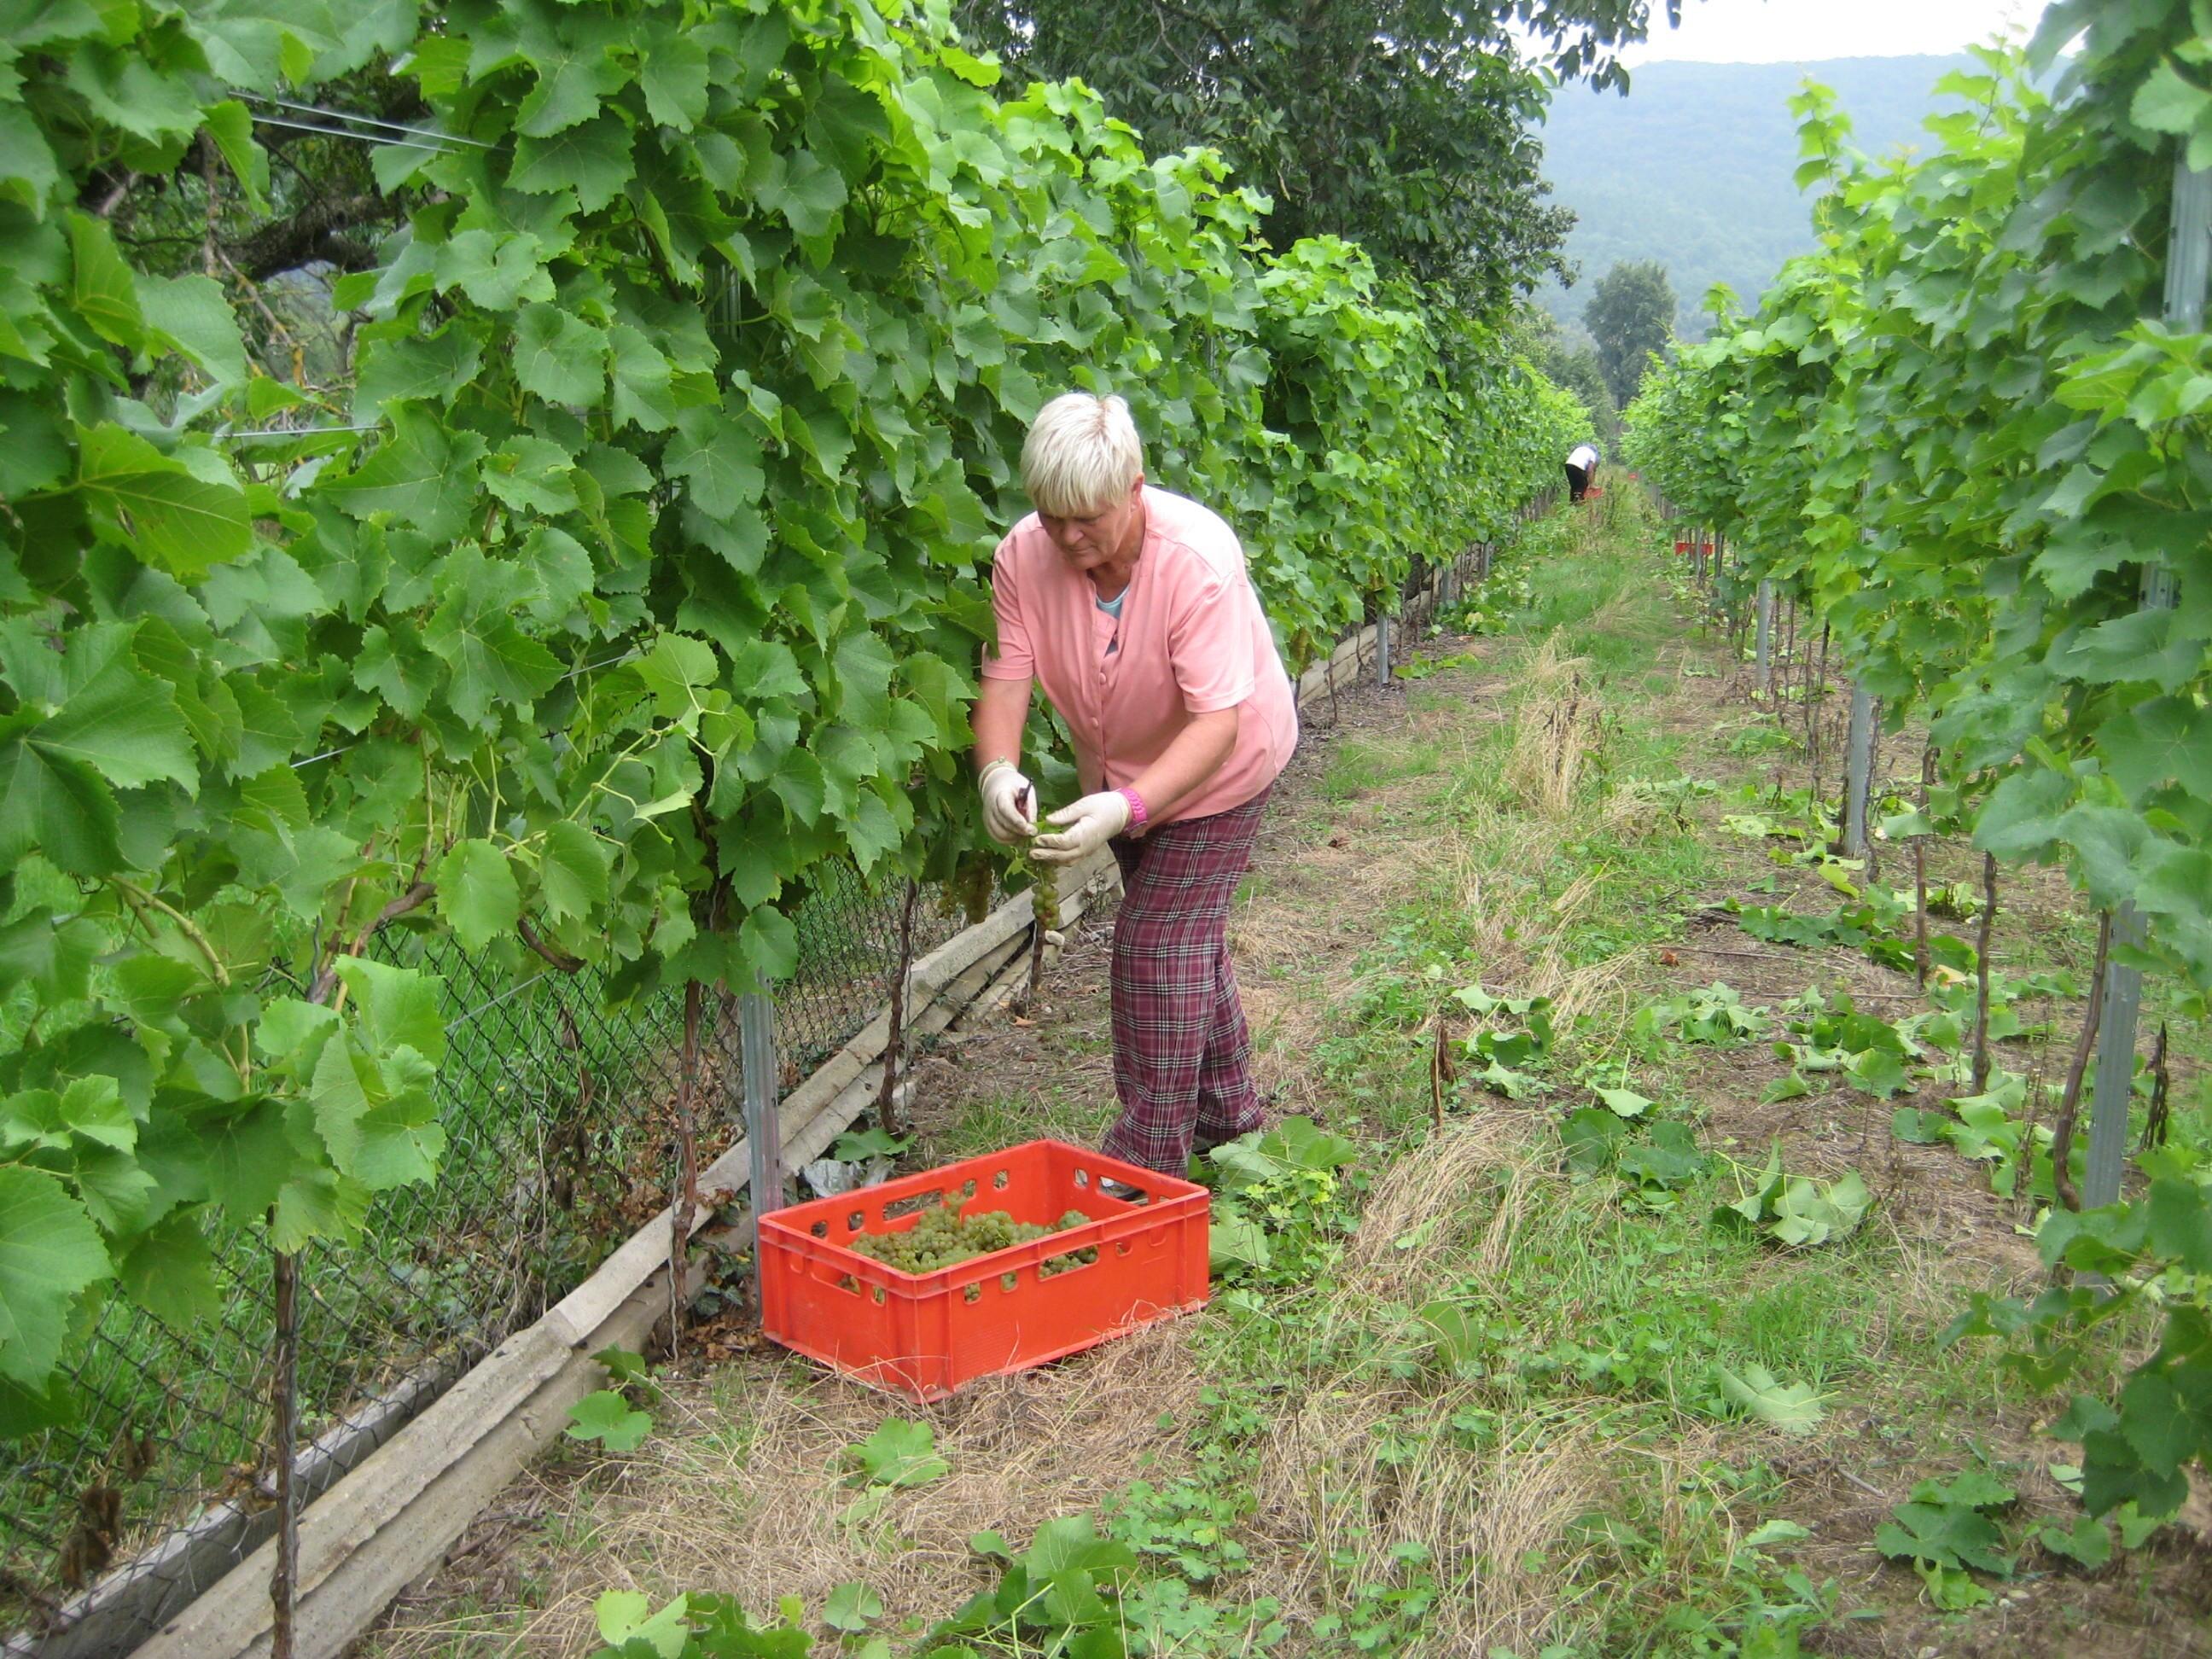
(1191, 639)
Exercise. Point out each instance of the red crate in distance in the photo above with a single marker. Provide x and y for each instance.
(924, 1335)
(1683, 548)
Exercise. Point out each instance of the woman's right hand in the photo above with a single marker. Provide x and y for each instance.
(1009, 804)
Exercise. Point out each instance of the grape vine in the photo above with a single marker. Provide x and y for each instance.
(629, 574)
(1955, 431)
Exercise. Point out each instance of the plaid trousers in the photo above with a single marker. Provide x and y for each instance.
(1183, 1055)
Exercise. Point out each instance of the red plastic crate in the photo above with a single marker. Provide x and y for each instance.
(925, 1335)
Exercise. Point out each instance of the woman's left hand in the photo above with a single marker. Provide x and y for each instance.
(1090, 823)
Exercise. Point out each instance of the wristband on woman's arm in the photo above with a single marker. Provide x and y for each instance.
(990, 765)
(1137, 816)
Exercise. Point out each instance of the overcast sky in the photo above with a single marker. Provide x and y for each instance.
(1806, 31)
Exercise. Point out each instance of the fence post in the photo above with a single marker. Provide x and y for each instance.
(285, 1421)
(1382, 650)
(764, 1122)
(2188, 261)
(1764, 674)
(1858, 771)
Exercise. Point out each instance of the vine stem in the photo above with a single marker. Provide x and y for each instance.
(326, 976)
(1981, 1077)
(1920, 875)
(285, 1579)
(142, 900)
(895, 1046)
(687, 1152)
(2070, 1104)
(285, 1428)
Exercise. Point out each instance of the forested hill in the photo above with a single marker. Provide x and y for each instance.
(1692, 166)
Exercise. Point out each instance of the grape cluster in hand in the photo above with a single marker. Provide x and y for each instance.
(942, 1236)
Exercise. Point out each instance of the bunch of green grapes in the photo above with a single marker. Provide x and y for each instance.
(1044, 902)
(943, 1236)
(1082, 1258)
(1047, 893)
(971, 884)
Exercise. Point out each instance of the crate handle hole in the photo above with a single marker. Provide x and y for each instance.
(1122, 1249)
(1067, 1262)
(972, 1293)
(856, 1221)
(820, 1230)
(1007, 1281)
(1083, 1177)
(968, 1187)
(1123, 1191)
(911, 1203)
(999, 1181)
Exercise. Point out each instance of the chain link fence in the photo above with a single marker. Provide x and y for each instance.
(558, 1105)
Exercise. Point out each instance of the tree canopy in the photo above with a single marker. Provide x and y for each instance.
(1571, 362)
(1404, 125)
(1630, 315)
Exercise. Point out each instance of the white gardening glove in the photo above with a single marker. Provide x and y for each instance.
(1009, 805)
(1092, 822)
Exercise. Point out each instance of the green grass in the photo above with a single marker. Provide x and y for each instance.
(993, 1123)
(1359, 766)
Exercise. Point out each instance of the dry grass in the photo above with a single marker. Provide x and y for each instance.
(1554, 729)
(1338, 1494)
(741, 1490)
(1428, 1200)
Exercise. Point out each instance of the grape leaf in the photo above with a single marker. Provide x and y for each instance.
(573, 876)
(1793, 1408)
(593, 158)
(169, 1271)
(604, 1416)
(900, 1453)
(423, 474)
(171, 518)
(477, 893)
(559, 356)
(49, 1252)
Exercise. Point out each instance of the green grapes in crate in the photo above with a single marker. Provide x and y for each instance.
(942, 1237)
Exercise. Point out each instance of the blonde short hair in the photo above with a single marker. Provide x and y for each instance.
(1082, 455)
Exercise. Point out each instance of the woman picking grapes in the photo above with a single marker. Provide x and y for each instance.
(1133, 608)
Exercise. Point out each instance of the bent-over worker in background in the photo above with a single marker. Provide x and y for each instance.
(1582, 468)
(1133, 608)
